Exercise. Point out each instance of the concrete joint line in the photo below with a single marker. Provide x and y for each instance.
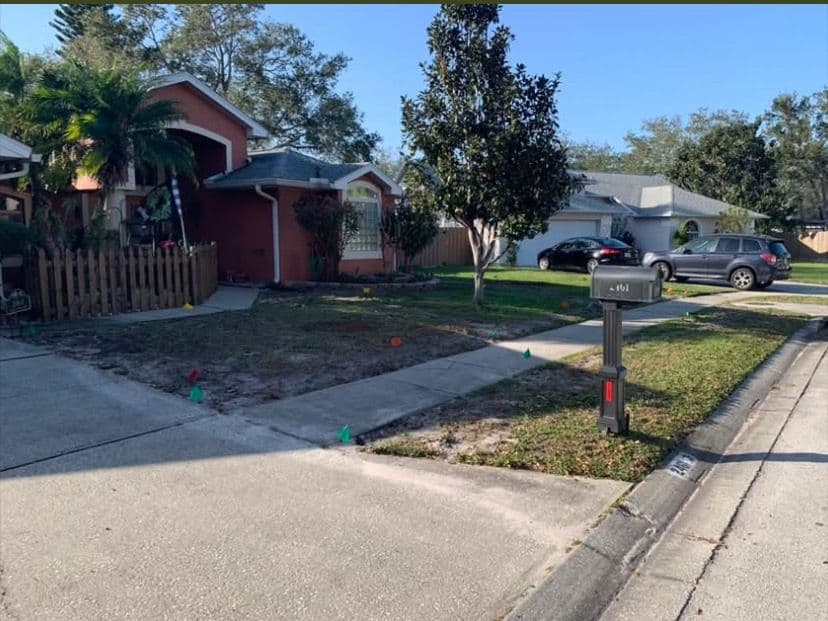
(720, 543)
(87, 447)
(48, 353)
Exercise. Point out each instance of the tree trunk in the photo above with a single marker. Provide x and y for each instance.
(479, 284)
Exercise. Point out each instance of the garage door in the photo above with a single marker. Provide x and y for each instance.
(558, 230)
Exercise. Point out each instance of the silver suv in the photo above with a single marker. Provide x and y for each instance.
(747, 261)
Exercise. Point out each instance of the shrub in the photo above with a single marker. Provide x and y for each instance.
(330, 224)
(512, 254)
(408, 230)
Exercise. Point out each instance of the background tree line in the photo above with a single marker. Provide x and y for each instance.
(776, 164)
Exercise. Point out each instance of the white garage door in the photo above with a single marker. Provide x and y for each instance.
(558, 230)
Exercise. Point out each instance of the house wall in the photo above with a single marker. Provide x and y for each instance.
(294, 241)
(200, 111)
(240, 222)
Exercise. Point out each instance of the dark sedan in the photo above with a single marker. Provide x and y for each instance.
(587, 253)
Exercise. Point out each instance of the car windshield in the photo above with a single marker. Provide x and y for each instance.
(778, 248)
(609, 242)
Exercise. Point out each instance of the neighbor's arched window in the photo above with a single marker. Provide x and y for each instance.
(691, 229)
(367, 200)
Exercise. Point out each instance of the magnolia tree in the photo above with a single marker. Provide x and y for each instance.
(488, 133)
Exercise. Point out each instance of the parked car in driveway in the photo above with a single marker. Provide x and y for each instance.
(587, 253)
(747, 261)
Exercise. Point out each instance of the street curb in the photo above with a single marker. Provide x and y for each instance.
(584, 585)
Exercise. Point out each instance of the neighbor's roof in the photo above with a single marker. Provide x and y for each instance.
(11, 149)
(287, 167)
(254, 129)
(654, 196)
(589, 202)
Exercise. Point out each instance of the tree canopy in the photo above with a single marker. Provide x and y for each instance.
(70, 19)
(731, 163)
(488, 131)
(269, 69)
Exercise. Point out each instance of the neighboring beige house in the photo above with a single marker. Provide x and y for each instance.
(648, 206)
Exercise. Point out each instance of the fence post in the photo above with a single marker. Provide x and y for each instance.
(102, 272)
(153, 298)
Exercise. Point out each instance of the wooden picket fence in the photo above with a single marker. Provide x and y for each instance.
(85, 283)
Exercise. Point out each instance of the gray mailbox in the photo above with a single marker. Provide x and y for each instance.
(614, 283)
(614, 286)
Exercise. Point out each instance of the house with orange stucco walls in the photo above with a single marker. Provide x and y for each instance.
(244, 200)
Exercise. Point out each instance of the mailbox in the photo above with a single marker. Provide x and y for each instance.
(614, 283)
(614, 286)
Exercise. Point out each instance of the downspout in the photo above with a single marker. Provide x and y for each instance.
(274, 212)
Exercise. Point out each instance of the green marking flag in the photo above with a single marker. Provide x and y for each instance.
(527, 354)
(344, 435)
(196, 394)
(494, 335)
(31, 330)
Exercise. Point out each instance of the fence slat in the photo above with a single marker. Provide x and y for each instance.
(123, 288)
(134, 298)
(103, 272)
(153, 298)
(45, 307)
(57, 273)
(185, 277)
(94, 284)
(113, 283)
(83, 307)
(142, 278)
(168, 283)
(176, 260)
(195, 275)
(70, 283)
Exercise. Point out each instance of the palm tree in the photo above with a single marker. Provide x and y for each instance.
(109, 122)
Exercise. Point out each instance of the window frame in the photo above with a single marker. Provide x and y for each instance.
(349, 254)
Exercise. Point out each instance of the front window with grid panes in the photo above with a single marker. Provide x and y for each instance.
(366, 201)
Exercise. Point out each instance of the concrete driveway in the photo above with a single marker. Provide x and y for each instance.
(121, 502)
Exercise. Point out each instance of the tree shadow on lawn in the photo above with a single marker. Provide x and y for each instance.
(545, 419)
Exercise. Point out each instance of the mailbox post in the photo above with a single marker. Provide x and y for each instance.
(613, 286)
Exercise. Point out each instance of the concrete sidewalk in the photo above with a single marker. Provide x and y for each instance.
(752, 543)
(370, 403)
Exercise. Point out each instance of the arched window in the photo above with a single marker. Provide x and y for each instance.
(691, 229)
(367, 200)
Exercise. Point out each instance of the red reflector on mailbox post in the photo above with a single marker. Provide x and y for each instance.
(608, 390)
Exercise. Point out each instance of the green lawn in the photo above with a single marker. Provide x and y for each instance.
(810, 272)
(544, 420)
(788, 299)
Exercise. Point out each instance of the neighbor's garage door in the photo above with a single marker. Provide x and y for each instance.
(558, 230)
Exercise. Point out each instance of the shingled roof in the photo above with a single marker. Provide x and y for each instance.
(654, 196)
(287, 167)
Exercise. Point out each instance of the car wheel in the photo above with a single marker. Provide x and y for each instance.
(665, 270)
(543, 263)
(764, 285)
(591, 265)
(743, 278)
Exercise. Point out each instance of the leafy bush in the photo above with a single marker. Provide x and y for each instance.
(330, 224)
(14, 238)
(512, 254)
(409, 230)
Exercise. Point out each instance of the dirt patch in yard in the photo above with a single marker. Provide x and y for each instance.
(290, 343)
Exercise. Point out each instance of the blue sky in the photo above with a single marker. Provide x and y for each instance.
(619, 64)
